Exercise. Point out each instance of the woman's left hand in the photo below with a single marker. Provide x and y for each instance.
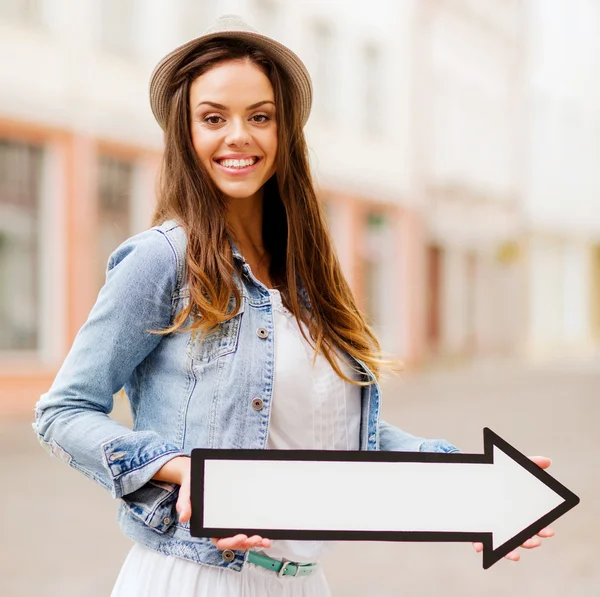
(536, 541)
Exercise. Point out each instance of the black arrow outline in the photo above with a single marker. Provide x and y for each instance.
(490, 439)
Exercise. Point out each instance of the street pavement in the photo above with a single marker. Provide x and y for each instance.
(59, 537)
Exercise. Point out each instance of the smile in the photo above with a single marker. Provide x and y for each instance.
(242, 166)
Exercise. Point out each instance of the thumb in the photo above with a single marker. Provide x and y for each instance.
(184, 507)
(185, 512)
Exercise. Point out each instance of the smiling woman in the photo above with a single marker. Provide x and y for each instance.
(229, 323)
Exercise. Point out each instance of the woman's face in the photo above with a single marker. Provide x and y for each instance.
(234, 129)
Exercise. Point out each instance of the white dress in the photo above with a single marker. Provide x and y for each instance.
(312, 408)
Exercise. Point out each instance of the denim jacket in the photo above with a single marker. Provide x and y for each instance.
(184, 393)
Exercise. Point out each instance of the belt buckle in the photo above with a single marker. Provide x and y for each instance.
(284, 568)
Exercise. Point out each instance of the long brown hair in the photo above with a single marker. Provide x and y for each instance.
(295, 232)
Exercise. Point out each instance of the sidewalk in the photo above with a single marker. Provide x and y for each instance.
(59, 536)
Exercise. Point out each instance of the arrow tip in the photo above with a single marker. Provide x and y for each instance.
(525, 498)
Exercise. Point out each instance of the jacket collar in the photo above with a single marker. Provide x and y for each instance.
(235, 251)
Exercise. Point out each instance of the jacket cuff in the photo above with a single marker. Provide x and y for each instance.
(154, 504)
(437, 445)
(133, 459)
(394, 439)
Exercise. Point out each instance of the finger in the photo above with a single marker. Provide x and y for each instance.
(232, 542)
(532, 543)
(235, 542)
(240, 542)
(545, 533)
(513, 556)
(541, 461)
(253, 541)
(184, 507)
(257, 541)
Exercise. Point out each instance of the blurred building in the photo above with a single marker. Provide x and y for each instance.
(456, 168)
(360, 58)
(79, 149)
(562, 180)
(467, 72)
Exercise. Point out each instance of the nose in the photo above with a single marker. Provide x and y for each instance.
(238, 134)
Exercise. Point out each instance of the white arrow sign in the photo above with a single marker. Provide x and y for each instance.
(500, 498)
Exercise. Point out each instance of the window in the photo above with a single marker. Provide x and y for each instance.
(324, 79)
(376, 280)
(117, 32)
(115, 187)
(23, 12)
(371, 92)
(20, 171)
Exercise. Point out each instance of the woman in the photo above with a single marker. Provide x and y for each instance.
(229, 324)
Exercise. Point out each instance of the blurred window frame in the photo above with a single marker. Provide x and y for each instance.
(115, 201)
(371, 91)
(325, 79)
(21, 174)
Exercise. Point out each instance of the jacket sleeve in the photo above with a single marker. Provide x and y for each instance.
(393, 439)
(71, 419)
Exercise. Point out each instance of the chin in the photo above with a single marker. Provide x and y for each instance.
(241, 192)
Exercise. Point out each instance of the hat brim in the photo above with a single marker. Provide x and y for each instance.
(160, 88)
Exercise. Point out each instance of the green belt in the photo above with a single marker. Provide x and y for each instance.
(281, 568)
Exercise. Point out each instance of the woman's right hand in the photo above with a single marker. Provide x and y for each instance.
(178, 470)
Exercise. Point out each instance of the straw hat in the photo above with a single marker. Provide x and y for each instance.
(233, 27)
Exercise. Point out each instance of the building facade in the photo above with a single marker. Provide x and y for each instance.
(467, 112)
(562, 186)
(453, 143)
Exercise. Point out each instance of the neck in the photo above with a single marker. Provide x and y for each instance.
(244, 218)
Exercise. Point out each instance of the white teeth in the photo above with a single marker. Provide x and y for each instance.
(238, 163)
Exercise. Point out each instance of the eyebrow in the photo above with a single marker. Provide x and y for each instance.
(222, 107)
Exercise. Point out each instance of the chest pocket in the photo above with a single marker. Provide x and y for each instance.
(218, 343)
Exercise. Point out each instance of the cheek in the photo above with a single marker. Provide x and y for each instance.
(202, 147)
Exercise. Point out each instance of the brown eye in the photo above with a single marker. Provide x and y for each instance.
(266, 118)
(211, 119)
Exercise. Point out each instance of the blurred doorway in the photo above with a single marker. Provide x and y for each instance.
(434, 287)
(379, 276)
(596, 293)
(471, 331)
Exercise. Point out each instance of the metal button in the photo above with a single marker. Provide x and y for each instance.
(257, 404)
(228, 555)
(262, 333)
(166, 520)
